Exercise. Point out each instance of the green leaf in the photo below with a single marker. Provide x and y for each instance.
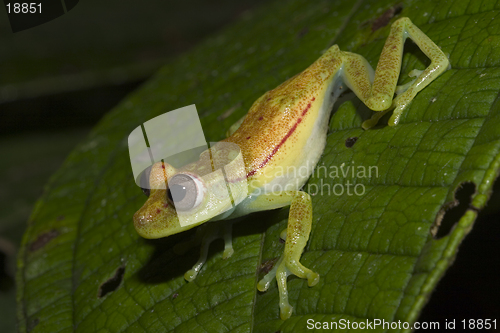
(21, 185)
(83, 267)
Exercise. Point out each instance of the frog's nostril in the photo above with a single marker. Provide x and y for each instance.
(139, 220)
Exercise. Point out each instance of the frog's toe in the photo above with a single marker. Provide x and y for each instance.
(228, 241)
(284, 268)
(312, 278)
(207, 235)
(402, 88)
(283, 234)
(228, 252)
(265, 282)
(415, 73)
(369, 123)
(296, 268)
(373, 121)
(282, 274)
(396, 115)
(286, 311)
(190, 275)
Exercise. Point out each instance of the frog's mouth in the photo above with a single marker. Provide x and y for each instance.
(157, 217)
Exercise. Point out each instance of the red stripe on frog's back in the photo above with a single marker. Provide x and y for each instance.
(277, 126)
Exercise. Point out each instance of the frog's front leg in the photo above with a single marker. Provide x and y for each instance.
(379, 95)
(297, 234)
(205, 235)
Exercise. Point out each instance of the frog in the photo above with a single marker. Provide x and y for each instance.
(284, 128)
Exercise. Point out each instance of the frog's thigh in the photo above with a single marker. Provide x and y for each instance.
(298, 230)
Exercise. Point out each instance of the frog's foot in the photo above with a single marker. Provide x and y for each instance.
(383, 85)
(228, 241)
(402, 88)
(286, 266)
(283, 268)
(297, 235)
(397, 106)
(369, 123)
(207, 234)
(283, 235)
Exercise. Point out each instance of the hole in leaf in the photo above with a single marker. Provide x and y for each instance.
(386, 17)
(479, 253)
(43, 239)
(349, 142)
(6, 280)
(113, 283)
(267, 265)
(452, 212)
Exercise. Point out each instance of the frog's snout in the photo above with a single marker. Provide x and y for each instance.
(156, 218)
(143, 223)
(140, 219)
(148, 219)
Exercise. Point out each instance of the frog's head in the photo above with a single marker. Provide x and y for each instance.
(180, 199)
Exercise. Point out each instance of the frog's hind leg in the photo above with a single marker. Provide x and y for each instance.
(297, 234)
(399, 90)
(378, 93)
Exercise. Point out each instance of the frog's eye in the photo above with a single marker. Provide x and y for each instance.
(144, 181)
(185, 192)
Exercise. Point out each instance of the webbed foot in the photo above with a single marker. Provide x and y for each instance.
(287, 265)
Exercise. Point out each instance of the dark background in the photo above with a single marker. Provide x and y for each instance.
(58, 79)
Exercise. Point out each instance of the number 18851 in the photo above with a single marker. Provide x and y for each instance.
(24, 8)
(479, 324)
